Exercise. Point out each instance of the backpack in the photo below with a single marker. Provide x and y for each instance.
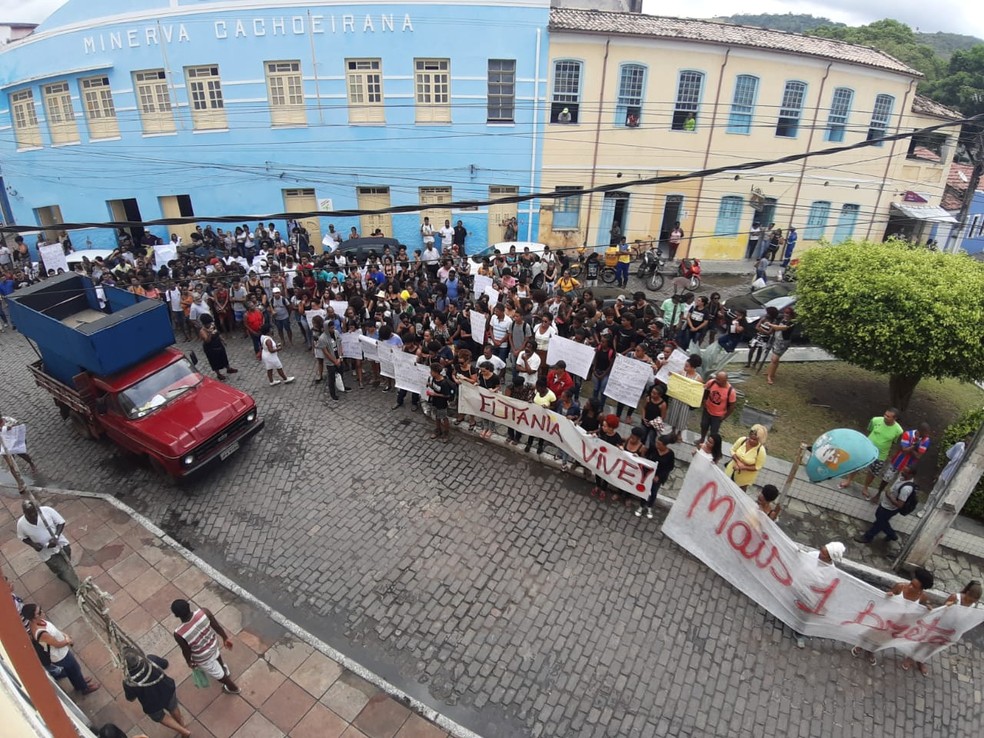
(43, 652)
(911, 501)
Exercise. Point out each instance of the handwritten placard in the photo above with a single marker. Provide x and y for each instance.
(577, 356)
(627, 380)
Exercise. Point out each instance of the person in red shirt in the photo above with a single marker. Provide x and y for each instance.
(254, 321)
(720, 399)
(559, 379)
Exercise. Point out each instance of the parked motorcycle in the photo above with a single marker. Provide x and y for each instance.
(651, 268)
(690, 269)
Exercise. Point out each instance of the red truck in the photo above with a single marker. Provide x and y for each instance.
(108, 361)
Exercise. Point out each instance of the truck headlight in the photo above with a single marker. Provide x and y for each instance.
(188, 460)
(251, 416)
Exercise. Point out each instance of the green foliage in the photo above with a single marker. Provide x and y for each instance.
(968, 423)
(792, 22)
(893, 38)
(962, 84)
(945, 44)
(894, 309)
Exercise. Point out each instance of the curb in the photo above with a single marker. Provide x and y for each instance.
(446, 723)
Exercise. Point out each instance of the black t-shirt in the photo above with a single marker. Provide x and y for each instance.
(491, 383)
(442, 386)
(589, 422)
(615, 439)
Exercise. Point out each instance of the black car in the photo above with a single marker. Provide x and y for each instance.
(360, 249)
(778, 295)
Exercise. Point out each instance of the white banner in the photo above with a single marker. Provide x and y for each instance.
(164, 253)
(15, 439)
(479, 321)
(309, 314)
(351, 345)
(674, 366)
(627, 380)
(619, 468)
(386, 353)
(369, 348)
(410, 375)
(493, 294)
(479, 285)
(723, 527)
(577, 356)
(53, 256)
(339, 306)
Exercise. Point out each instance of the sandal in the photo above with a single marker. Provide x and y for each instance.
(906, 664)
(923, 669)
(856, 652)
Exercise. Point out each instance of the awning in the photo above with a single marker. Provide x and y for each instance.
(932, 213)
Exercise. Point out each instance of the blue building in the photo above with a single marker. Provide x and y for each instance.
(970, 238)
(161, 108)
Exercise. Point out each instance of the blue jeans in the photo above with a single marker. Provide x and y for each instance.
(621, 274)
(73, 671)
(599, 387)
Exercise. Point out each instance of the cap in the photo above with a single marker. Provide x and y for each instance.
(612, 420)
(276, 289)
(620, 298)
(836, 549)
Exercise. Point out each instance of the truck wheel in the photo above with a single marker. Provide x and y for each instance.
(159, 469)
(79, 425)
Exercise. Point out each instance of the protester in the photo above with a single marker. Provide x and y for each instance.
(607, 433)
(439, 391)
(43, 530)
(271, 361)
(543, 397)
(969, 596)
(58, 645)
(214, 348)
(663, 455)
(913, 445)
(748, 456)
(892, 501)
(766, 501)
(883, 431)
(720, 400)
(915, 591)
(7, 424)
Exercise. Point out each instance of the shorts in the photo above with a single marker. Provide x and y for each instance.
(214, 668)
(875, 468)
(172, 705)
(439, 413)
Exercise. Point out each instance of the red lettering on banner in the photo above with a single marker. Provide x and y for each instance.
(919, 632)
(825, 592)
(497, 407)
(488, 401)
(773, 559)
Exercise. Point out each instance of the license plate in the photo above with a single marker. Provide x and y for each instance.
(227, 452)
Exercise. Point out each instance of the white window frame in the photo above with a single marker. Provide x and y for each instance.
(840, 112)
(743, 100)
(153, 94)
(204, 88)
(690, 90)
(631, 92)
(285, 92)
(60, 113)
(567, 80)
(24, 118)
(791, 109)
(881, 116)
(364, 87)
(432, 90)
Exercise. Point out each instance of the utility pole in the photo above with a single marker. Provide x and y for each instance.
(975, 177)
(943, 506)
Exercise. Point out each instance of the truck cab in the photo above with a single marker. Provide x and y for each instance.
(108, 361)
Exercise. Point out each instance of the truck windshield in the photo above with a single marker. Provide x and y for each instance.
(159, 389)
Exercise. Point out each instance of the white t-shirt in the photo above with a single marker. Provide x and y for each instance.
(447, 237)
(174, 297)
(427, 231)
(494, 360)
(533, 362)
(430, 255)
(39, 534)
(57, 652)
(901, 490)
(543, 339)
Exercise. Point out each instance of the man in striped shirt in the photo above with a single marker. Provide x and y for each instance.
(198, 636)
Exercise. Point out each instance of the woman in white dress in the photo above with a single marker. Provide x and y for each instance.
(271, 361)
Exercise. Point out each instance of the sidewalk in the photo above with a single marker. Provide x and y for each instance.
(290, 685)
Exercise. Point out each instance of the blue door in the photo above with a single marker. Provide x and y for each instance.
(845, 223)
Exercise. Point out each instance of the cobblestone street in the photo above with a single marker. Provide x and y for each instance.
(488, 586)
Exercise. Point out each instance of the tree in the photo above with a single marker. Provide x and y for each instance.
(962, 85)
(893, 38)
(897, 309)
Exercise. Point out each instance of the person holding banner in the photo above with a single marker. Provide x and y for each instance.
(544, 397)
(608, 434)
(665, 459)
(487, 380)
(14, 440)
(653, 413)
(439, 390)
(678, 415)
(915, 591)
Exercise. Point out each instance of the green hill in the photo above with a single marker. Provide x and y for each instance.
(945, 44)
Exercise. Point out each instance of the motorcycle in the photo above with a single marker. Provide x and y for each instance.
(651, 268)
(690, 269)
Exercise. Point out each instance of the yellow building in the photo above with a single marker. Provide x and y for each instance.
(633, 96)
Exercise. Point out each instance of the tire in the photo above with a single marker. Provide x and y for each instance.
(161, 472)
(575, 269)
(695, 282)
(80, 426)
(655, 281)
(607, 275)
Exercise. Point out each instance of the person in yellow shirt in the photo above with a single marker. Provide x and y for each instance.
(622, 266)
(567, 284)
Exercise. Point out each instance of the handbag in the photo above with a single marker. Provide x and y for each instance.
(200, 678)
(339, 382)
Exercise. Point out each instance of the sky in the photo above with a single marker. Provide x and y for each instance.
(956, 16)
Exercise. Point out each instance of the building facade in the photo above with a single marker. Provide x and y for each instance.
(634, 96)
(970, 238)
(218, 107)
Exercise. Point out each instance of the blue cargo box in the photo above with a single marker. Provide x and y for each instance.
(62, 315)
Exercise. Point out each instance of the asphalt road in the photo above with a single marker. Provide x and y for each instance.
(495, 590)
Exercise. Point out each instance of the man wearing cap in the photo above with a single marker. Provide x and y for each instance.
(42, 529)
(281, 315)
(564, 116)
